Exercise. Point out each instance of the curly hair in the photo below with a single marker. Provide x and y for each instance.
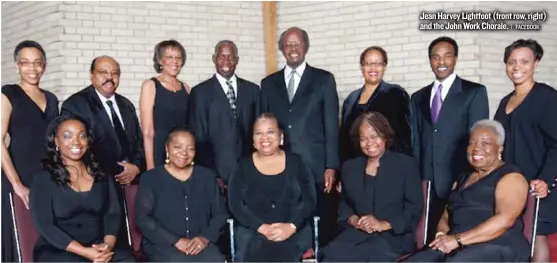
(53, 162)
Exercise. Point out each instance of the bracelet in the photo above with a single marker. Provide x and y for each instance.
(438, 234)
(459, 242)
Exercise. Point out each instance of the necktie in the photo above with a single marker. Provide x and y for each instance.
(290, 87)
(231, 97)
(436, 104)
(122, 137)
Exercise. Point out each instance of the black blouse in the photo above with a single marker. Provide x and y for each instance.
(60, 214)
(168, 209)
(252, 206)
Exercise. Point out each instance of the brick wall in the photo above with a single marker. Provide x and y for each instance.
(340, 31)
(73, 33)
(129, 31)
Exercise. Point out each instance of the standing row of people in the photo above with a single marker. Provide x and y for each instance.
(433, 125)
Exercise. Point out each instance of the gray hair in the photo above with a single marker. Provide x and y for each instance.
(226, 42)
(491, 124)
(304, 36)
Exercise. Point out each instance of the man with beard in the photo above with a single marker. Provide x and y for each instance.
(305, 101)
(443, 114)
(112, 118)
(222, 112)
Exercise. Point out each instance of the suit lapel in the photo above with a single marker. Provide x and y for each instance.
(450, 100)
(280, 85)
(304, 86)
(99, 111)
(241, 96)
(424, 104)
(221, 97)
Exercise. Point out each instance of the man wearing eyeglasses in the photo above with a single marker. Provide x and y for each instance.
(118, 139)
(305, 101)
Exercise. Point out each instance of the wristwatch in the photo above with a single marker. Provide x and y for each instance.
(459, 242)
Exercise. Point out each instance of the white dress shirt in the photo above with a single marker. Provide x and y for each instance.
(107, 108)
(447, 83)
(224, 86)
(297, 77)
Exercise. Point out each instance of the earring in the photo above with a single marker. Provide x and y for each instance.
(57, 148)
(282, 140)
(192, 163)
(166, 160)
(500, 157)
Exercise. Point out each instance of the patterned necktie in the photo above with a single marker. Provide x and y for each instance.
(436, 104)
(120, 133)
(290, 87)
(231, 97)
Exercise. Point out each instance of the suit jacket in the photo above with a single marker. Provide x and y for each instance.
(311, 121)
(440, 148)
(393, 102)
(222, 140)
(106, 148)
(398, 197)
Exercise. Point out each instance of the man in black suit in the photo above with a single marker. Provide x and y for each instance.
(222, 112)
(442, 114)
(305, 101)
(112, 118)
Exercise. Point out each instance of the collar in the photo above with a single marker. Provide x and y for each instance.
(299, 70)
(447, 83)
(222, 80)
(104, 99)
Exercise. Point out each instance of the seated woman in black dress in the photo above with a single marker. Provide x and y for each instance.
(179, 207)
(481, 221)
(272, 198)
(381, 198)
(73, 204)
(389, 99)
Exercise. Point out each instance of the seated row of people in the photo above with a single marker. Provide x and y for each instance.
(180, 208)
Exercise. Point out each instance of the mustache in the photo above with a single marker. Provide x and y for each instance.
(111, 81)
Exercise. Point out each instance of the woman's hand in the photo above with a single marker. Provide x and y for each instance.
(282, 231)
(444, 243)
(95, 255)
(368, 223)
(353, 221)
(539, 188)
(182, 245)
(196, 245)
(265, 230)
(23, 193)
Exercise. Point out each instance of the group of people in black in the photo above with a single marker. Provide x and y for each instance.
(273, 156)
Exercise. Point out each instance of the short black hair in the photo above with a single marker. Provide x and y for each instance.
(530, 43)
(29, 44)
(161, 47)
(176, 130)
(377, 48)
(305, 37)
(443, 39)
(376, 120)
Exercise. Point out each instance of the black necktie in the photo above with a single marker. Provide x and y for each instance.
(122, 137)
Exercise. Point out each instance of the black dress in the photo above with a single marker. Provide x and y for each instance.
(168, 209)
(531, 144)
(26, 129)
(169, 111)
(256, 199)
(470, 206)
(60, 215)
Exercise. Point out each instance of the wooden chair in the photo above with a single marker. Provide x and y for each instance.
(24, 230)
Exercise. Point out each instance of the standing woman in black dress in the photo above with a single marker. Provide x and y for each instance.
(26, 111)
(391, 100)
(74, 205)
(528, 115)
(163, 103)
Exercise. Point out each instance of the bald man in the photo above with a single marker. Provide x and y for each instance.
(112, 118)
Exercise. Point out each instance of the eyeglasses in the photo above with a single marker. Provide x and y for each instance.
(373, 64)
(294, 45)
(106, 74)
(28, 64)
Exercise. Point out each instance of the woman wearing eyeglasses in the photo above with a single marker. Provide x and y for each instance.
(391, 100)
(163, 103)
(26, 112)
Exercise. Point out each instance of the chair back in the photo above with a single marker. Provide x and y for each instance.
(134, 234)
(530, 221)
(421, 229)
(24, 230)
